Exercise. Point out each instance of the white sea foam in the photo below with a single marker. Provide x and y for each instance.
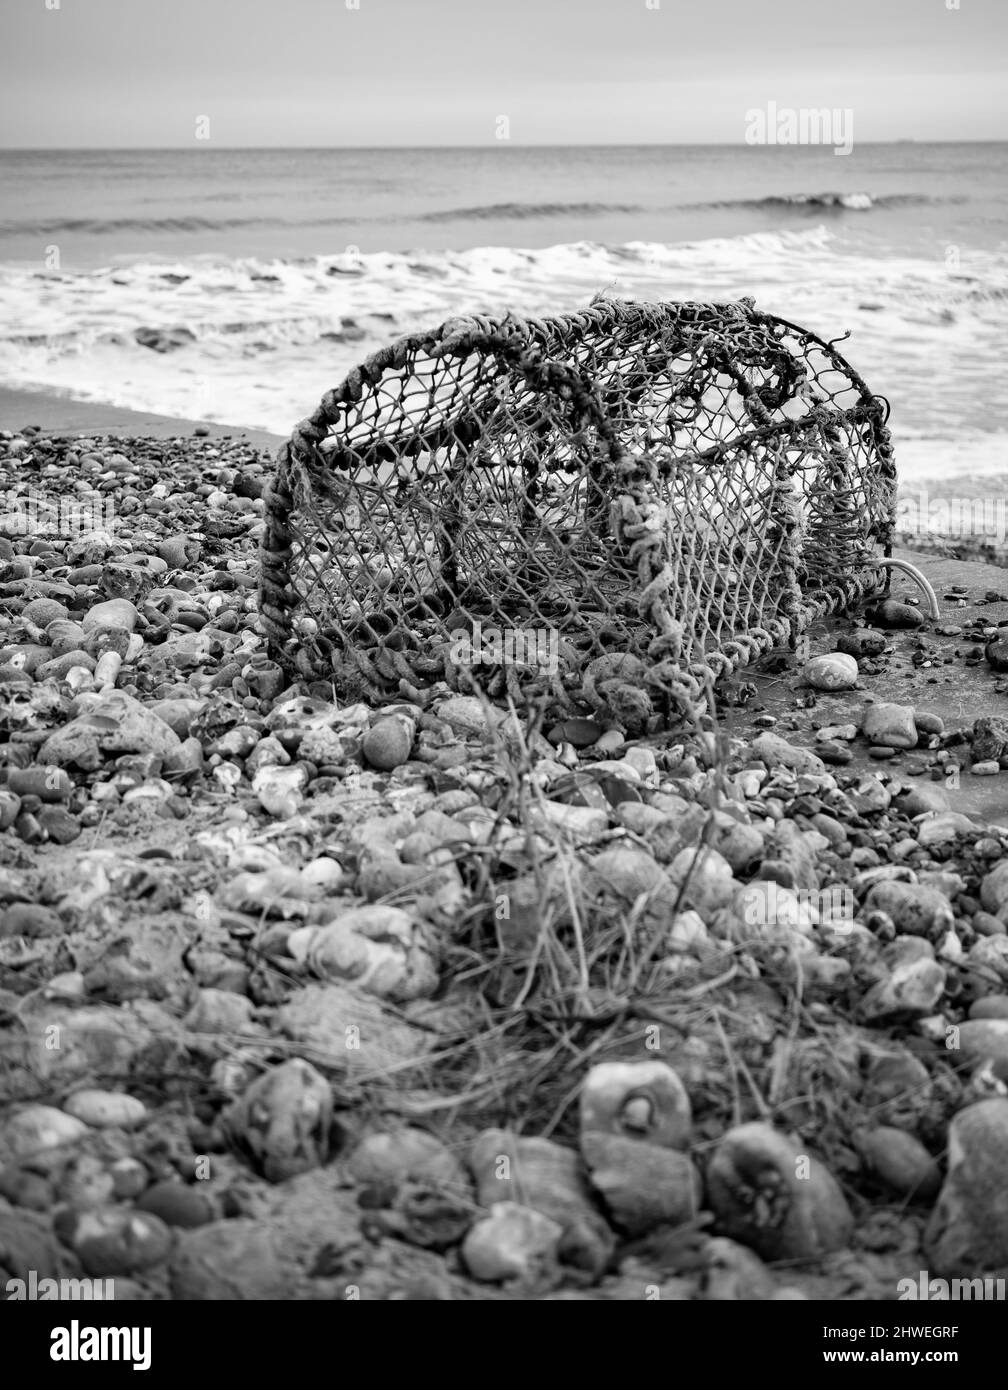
(261, 340)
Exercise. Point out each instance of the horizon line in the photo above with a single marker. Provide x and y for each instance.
(204, 146)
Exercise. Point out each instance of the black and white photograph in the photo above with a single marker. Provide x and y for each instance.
(504, 672)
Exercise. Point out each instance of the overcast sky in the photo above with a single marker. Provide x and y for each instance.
(440, 72)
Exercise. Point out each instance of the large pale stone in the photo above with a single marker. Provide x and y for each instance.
(774, 1197)
(115, 723)
(913, 908)
(968, 1230)
(890, 725)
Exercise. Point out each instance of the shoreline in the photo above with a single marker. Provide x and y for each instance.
(62, 415)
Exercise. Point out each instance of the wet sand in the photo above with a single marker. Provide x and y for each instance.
(61, 415)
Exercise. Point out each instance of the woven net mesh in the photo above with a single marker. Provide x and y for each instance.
(611, 510)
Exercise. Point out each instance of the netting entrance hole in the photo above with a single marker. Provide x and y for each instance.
(612, 509)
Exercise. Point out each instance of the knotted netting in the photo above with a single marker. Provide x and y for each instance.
(612, 509)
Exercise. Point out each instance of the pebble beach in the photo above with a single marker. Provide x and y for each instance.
(422, 1001)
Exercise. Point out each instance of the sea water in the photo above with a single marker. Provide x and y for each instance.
(263, 276)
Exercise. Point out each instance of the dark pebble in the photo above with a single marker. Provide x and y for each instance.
(581, 733)
(834, 752)
(861, 643)
(928, 723)
(28, 829)
(177, 1204)
(59, 824)
(47, 783)
(892, 614)
(996, 653)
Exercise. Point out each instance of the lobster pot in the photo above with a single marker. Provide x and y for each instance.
(608, 510)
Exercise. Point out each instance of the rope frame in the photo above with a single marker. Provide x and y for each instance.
(669, 489)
